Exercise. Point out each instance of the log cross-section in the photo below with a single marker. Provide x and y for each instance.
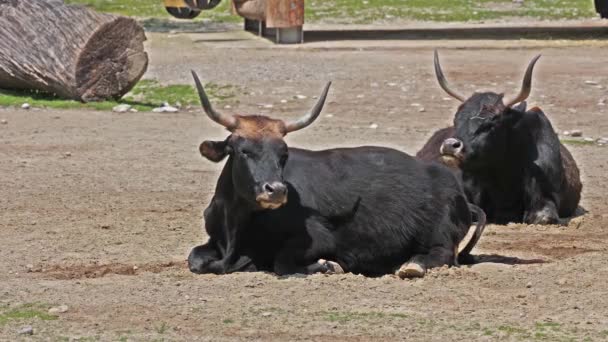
(69, 50)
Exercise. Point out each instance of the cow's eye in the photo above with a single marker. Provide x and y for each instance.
(247, 153)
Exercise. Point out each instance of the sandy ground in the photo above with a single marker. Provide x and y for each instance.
(99, 209)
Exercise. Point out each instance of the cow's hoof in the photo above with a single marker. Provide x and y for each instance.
(411, 270)
(545, 216)
(331, 266)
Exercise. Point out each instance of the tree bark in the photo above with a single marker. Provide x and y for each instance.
(70, 51)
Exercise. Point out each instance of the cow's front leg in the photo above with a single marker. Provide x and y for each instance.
(202, 256)
(540, 208)
(303, 253)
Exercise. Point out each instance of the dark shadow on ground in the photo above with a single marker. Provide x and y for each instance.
(494, 33)
(501, 259)
(190, 26)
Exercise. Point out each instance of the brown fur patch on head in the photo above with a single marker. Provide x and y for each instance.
(259, 126)
(536, 109)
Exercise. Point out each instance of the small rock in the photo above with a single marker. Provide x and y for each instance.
(121, 108)
(227, 106)
(373, 126)
(68, 154)
(105, 226)
(135, 268)
(576, 133)
(266, 314)
(25, 106)
(529, 285)
(602, 141)
(589, 139)
(283, 101)
(178, 105)
(422, 110)
(561, 282)
(268, 106)
(566, 133)
(58, 309)
(591, 83)
(165, 109)
(3, 121)
(415, 104)
(329, 115)
(133, 110)
(391, 84)
(300, 97)
(360, 96)
(601, 102)
(26, 330)
(29, 267)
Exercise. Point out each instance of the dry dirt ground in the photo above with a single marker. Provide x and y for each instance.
(99, 209)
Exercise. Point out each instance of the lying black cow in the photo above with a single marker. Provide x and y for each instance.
(511, 160)
(369, 209)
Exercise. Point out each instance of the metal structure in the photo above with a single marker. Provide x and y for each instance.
(281, 20)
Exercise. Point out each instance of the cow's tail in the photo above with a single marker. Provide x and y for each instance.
(465, 257)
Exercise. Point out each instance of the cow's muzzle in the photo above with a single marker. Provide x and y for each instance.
(452, 151)
(273, 196)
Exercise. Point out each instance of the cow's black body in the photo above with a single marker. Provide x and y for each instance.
(514, 166)
(370, 209)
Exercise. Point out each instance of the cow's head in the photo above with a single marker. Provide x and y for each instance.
(256, 150)
(482, 122)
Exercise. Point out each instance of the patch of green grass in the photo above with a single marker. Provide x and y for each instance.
(370, 11)
(25, 312)
(343, 317)
(228, 321)
(162, 328)
(576, 142)
(145, 96)
(510, 330)
(154, 8)
(373, 11)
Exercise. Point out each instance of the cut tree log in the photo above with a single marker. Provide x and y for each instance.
(69, 50)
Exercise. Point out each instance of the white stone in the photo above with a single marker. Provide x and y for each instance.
(121, 108)
(25, 106)
(301, 97)
(373, 126)
(165, 109)
(58, 309)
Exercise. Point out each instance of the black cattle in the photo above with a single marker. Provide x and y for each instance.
(368, 209)
(511, 160)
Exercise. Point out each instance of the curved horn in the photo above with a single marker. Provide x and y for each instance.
(227, 121)
(443, 82)
(311, 116)
(526, 86)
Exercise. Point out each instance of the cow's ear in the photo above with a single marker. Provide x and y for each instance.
(521, 106)
(214, 150)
